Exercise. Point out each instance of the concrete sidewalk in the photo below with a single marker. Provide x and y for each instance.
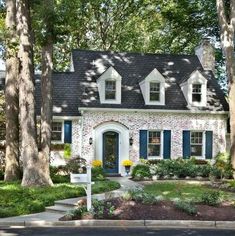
(53, 213)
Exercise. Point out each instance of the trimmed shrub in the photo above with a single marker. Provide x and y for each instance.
(187, 207)
(211, 198)
(140, 172)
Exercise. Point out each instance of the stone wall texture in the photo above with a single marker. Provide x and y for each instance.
(136, 121)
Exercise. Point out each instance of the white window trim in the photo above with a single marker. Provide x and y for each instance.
(161, 145)
(155, 77)
(113, 100)
(62, 133)
(203, 144)
(111, 75)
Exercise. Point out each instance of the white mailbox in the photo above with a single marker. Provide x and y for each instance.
(78, 178)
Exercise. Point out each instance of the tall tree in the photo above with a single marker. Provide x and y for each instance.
(46, 83)
(226, 16)
(33, 173)
(12, 169)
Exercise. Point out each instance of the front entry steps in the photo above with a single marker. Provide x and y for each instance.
(63, 206)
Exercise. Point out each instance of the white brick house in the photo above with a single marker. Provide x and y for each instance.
(117, 106)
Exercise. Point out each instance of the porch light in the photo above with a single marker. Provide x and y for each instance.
(90, 140)
(131, 141)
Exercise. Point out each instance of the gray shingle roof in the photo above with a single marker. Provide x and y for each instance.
(79, 89)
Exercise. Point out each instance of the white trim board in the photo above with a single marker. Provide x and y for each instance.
(151, 110)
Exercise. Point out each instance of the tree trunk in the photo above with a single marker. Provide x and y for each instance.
(227, 42)
(12, 168)
(46, 107)
(32, 168)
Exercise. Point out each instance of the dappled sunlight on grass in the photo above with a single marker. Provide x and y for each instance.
(17, 200)
(183, 191)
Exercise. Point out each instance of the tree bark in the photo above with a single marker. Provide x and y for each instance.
(33, 171)
(12, 168)
(227, 42)
(46, 88)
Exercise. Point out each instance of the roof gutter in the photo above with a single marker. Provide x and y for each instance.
(82, 109)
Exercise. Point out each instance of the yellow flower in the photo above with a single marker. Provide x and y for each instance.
(127, 163)
(96, 163)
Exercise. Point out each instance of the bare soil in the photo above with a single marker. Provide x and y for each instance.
(165, 210)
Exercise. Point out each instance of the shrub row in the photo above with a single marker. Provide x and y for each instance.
(179, 168)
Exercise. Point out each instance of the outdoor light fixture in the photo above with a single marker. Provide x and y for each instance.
(131, 141)
(90, 140)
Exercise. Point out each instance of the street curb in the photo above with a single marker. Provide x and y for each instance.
(126, 223)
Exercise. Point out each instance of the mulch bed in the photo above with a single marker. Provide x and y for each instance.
(165, 210)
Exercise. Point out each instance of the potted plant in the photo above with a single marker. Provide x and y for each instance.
(77, 168)
(127, 164)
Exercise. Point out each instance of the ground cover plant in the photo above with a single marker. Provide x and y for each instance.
(16, 200)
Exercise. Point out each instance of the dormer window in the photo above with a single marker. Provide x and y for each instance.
(196, 92)
(110, 87)
(194, 89)
(154, 88)
(110, 90)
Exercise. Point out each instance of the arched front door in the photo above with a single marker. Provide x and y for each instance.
(110, 151)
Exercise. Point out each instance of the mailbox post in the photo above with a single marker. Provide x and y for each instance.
(84, 179)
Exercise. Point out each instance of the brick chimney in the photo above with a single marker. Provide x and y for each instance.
(206, 55)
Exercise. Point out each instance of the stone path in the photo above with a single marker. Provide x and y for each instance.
(53, 213)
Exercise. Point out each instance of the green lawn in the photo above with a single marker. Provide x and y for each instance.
(16, 200)
(183, 191)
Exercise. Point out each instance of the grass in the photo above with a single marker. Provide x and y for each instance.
(16, 200)
(183, 191)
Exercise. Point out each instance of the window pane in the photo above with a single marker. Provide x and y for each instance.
(154, 137)
(56, 131)
(197, 93)
(154, 87)
(153, 150)
(196, 150)
(110, 89)
(154, 96)
(196, 97)
(154, 91)
(56, 136)
(110, 95)
(196, 137)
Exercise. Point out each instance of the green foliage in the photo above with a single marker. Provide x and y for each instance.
(67, 150)
(180, 168)
(223, 164)
(140, 172)
(77, 213)
(35, 199)
(102, 209)
(97, 174)
(76, 165)
(211, 198)
(140, 195)
(185, 206)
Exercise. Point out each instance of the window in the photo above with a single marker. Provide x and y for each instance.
(110, 90)
(196, 93)
(154, 91)
(196, 144)
(2, 132)
(57, 131)
(154, 143)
